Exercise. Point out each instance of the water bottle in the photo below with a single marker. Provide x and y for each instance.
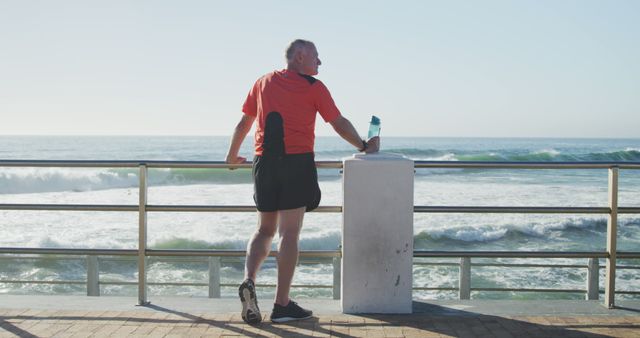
(374, 127)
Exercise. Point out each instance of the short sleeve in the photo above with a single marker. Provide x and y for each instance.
(250, 106)
(324, 103)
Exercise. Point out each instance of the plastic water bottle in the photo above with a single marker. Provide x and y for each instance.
(374, 127)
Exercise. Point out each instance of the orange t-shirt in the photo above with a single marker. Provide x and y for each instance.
(297, 98)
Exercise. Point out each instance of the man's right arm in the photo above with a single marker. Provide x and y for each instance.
(345, 129)
(239, 134)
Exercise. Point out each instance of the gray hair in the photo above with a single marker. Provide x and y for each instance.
(296, 46)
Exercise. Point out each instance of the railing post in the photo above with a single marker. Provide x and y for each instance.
(142, 237)
(464, 284)
(612, 229)
(593, 274)
(214, 277)
(93, 277)
(337, 267)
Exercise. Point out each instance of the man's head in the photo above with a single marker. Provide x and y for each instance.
(302, 57)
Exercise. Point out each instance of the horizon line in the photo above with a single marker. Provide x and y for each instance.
(325, 136)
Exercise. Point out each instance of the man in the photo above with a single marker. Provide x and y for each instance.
(285, 104)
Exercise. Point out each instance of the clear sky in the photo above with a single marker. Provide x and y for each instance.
(546, 68)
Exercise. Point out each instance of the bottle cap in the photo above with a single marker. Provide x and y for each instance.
(375, 119)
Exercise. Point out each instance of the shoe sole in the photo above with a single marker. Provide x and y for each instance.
(288, 319)
(250, 311)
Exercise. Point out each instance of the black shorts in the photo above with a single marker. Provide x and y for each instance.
(285, 182)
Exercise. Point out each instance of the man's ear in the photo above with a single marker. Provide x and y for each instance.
(300, 57)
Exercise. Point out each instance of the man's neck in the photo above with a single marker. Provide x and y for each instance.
(294, 68)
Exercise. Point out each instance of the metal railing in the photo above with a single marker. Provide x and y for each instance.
(143, 208)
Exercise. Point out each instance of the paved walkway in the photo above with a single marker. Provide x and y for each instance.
(59, 316)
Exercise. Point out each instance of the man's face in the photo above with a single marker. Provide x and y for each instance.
(310, 61)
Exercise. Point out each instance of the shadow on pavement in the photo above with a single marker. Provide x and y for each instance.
(427, 320)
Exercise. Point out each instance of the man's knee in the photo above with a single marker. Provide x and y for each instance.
(289, 233)
(267, 231)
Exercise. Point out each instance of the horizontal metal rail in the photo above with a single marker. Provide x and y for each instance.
(238, 253)
(512, 254)
(521, 210)
(515, 265)
(314, 286)
(154, 252)
(320, 164)
(186, 256)
(327, 209)
(525, 165)
(225, 208)
(512, 210)
(505, 265)
(316, 253)
(528, 290)
(154, 208)
(76, 282)
(193, 259)
(69, 251)
(69, 207)
(520, 290)
(148, 164)
(425, 288)
(54, 282)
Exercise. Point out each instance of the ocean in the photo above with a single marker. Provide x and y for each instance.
(434, 187)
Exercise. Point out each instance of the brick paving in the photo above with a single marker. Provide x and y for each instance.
(172, 323)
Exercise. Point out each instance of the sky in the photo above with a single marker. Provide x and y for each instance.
(546, 68)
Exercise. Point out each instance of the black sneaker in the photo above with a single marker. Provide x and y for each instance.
(250, 311)
(292, 311)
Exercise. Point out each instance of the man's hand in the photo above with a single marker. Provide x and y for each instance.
(234, 159)
(373, 145)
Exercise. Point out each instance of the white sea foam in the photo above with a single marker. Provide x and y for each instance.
(469, 234)
(549, 151)
(29, 180)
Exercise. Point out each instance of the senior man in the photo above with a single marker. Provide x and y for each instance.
(284, 104)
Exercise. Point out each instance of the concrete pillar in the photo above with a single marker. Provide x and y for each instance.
(377, 234)
(593, 279)
(214, 277)
(464, 282)
(93, 276)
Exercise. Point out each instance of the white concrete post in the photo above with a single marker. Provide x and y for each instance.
(593, 276)
(464, 282)
(214, 277)
(93, 276)
(336, 277)
(377, 234)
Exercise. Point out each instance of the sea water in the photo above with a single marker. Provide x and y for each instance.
(433, 187)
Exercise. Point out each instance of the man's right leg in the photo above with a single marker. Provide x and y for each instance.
(284, 309)
(257, 250)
